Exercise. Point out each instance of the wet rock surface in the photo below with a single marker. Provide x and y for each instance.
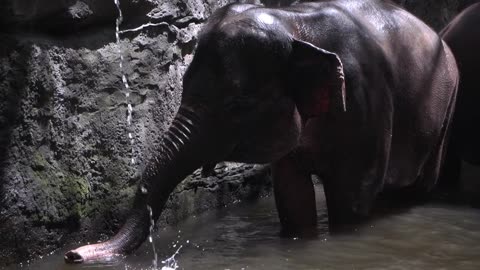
(63, 16)
(65, 172)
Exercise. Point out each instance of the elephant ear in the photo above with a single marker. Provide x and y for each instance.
(316, 80)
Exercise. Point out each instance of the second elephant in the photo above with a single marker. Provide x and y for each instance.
(463, 37)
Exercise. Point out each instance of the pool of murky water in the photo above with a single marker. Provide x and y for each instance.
(245, 236)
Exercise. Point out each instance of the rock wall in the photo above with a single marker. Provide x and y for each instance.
(65, 155)
(65, 171)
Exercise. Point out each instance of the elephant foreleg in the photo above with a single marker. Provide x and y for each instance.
(351, 190)
(346, 206)
(294, 197)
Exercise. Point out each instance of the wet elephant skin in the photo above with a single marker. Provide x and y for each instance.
(360, 93)
(462, 35)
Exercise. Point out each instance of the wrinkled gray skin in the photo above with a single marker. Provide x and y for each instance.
(463, 37)
(360, 93)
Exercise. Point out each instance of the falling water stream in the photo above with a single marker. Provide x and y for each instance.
(171, 264)
(119, 21)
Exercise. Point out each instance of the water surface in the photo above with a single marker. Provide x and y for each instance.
(245, 236)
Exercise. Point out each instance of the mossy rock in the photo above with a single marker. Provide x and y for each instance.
(61, 195)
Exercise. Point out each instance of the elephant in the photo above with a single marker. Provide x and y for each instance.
(360, 93)
(462, 35)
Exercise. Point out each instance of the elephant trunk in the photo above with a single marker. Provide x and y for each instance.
(181, 152)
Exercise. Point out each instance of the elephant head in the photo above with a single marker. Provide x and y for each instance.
(246, 94)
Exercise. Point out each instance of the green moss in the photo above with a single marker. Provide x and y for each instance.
(61, 195)
(75, 187)
(39, 162)
(76, 190)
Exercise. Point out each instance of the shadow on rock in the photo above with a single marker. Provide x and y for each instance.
(13, 73)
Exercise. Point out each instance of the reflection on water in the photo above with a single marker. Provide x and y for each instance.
(245, 236)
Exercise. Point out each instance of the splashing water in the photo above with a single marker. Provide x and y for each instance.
(171, 263)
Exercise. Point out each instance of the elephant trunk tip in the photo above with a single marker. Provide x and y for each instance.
(96, 253)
